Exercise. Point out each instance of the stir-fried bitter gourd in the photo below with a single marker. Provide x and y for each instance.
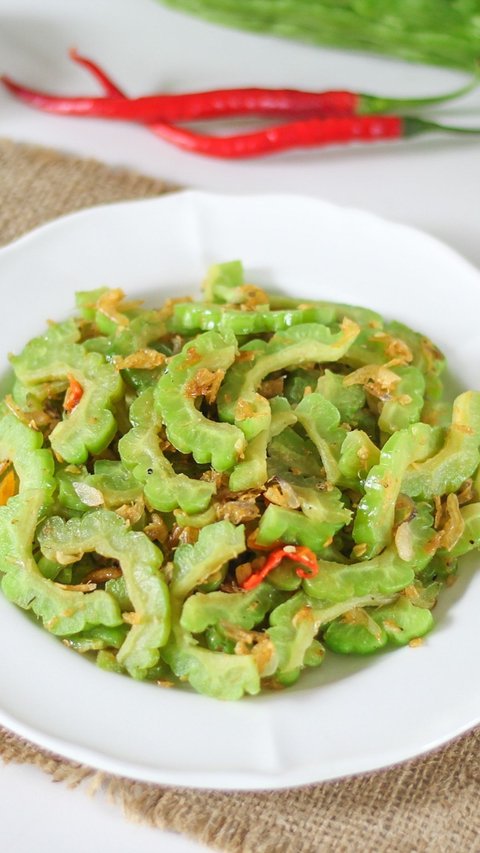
(221, 492)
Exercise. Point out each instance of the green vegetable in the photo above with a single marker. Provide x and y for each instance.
(243, 609)
(369, 630)
(218, 674)
(348, 400)
(23, 447)
(315, 530)
(320, 420)
(187, 428)
(358, 455)
(104, 532)
(91, 425)
(459, 457)
(406, 406)
(375, 514)
(292, 631)
(111, 485)
(360, 638)
(194, 564)
(62, 612)
(308, 342)
(420, 31)
(385, 574)
(140, 452)
(329, 516)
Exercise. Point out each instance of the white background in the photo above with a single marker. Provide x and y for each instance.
(431, 183)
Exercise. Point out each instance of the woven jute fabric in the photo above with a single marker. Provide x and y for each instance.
(429, 805)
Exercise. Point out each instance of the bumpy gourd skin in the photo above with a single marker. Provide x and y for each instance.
(23, 446)
(252, 471)
(397, 624)
(213, 451)
(459, 457)
(187, 428)
(52, 358)
(213, 673)
(104, 532)
(321, 421)
(63, 612)
(301, 344)
(188, 318)
(375, 514)
(140, 451)
(385, 574)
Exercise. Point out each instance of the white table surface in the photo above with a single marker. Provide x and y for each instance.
(431, 183)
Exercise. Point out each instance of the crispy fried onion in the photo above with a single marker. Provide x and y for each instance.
(67, 559)
(24, 417)
(281, 493)
(466, 494)
(245, 355)
(156, 530)
(252, 296)
(77, 587)
(205, 383)
(421, 596)
(220, 480)
(180, 535)
(395, 349)
(238, 512)
(448, 523)
(36, 418)
(359, 550)
(254, 643)
(131, 513)
(143, 359)
(244, 570)
(349, 327)
(113, 305)
(431, 353)
(377, 380)
(359, 616)
(244, 410)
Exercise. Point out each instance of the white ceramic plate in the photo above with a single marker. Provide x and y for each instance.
(348, 716)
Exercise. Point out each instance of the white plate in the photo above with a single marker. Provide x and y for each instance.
(349, 716)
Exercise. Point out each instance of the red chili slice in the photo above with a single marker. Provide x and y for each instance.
(297, 553)
(74, 394)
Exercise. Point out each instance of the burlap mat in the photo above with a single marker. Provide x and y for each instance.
(430, 805)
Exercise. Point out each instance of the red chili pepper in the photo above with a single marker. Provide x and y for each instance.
(294, 134)
(74, 394)
(297, 553)
(221, 103)
(313, 132)
(100, 75)
(307, 133)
